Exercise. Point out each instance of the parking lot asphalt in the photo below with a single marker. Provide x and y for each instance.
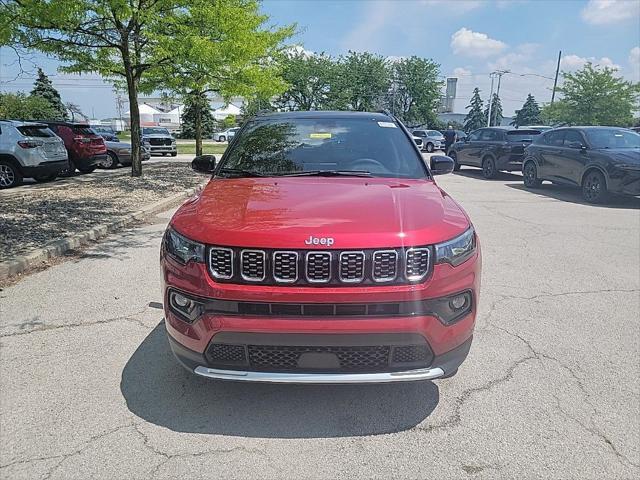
(551, 389)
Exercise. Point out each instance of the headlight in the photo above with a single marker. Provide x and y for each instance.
(183, 249)
(457, 250)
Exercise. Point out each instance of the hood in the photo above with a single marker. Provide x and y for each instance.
(624, 156)
(354, 212)
(117, 145)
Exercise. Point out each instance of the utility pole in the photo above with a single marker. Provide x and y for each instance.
(492, 75)
(555, 82)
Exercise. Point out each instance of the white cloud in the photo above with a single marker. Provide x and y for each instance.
(608, 12)
(634, 56)
(575, 62)
(475, 44)
(300, 50)
(378, 16)
(461, 72)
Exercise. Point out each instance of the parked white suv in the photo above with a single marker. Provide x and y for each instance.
(431, 139)
(226, 135)
(29, 150)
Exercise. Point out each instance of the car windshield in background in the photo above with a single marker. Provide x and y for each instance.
(522, 135)
(612, 138)
(35, 131)
(155, 131)
(294, 145)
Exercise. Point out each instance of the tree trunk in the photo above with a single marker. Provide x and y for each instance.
(134, 116)
(198, 127)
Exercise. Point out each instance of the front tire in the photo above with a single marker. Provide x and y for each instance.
(429, 147)
(530, 175)
(489, 168)
(10, 175)
(594, 187)
(454, 157)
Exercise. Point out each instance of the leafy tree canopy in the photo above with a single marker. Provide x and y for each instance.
(362, 82)
(20, 106)
(416, 90)
(594, 96)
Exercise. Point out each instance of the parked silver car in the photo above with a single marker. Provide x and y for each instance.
(226, 135)
(431, 139)
(120, 153)
(29, 149)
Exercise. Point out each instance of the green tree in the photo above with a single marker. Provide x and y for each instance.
(360, 81)
(529, 114)
(416, 90)
(197, 105)
(594, 96)
(496, 112)
(43, 87)
(222, 46)
(229, 121)
(120, 40)
(308, 81)
(475, 117)
(26, 107)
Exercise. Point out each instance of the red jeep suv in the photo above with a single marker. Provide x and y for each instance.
(321, 251)
(85, 147)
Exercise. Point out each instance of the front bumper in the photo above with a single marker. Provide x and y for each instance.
(441, 365)
(162, 149)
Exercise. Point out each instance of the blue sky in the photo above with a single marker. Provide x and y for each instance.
(469, 38)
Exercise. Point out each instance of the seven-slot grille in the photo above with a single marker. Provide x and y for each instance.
(318, 267)
(417, 263)
(285, 266)
(252, 266)
(221, 263)
(352, 266)
(314, 267)
(385, 265)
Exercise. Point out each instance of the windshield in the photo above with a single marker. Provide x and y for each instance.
(522, 135)
(613, 138)
(155, 131)
(284, 146)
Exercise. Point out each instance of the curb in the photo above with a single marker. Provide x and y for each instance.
(56, 248)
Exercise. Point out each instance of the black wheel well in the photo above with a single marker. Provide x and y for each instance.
(596, 169)
(12, 160)
(488, 155)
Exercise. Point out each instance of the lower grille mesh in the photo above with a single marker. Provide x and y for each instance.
(286, 357)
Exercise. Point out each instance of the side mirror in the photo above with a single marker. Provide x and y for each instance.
(441, 165)
(577, 145)
(204, 163)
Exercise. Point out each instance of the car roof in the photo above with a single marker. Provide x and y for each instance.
(326, 114)
(22, 123)
(62, 122)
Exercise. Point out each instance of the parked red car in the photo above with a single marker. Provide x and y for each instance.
(321, 251)
(85, 147)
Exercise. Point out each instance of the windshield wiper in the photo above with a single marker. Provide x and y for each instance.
(238, 172)
(328, 173)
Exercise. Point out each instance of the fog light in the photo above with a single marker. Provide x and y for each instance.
(459, 302)
(180, 300)
(189, 309)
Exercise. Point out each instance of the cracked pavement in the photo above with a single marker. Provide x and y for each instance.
(551, 389)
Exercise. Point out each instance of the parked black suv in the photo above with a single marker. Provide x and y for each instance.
(597, 159)
(493, 149)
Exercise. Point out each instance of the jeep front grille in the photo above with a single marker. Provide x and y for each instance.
(320, 268)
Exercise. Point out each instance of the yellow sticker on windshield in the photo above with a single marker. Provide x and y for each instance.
(320, 135)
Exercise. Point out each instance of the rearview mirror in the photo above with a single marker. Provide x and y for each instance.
(441, 164)
(204, 163)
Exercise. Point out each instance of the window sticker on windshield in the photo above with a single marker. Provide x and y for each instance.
(387, 124)
(320, 135)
